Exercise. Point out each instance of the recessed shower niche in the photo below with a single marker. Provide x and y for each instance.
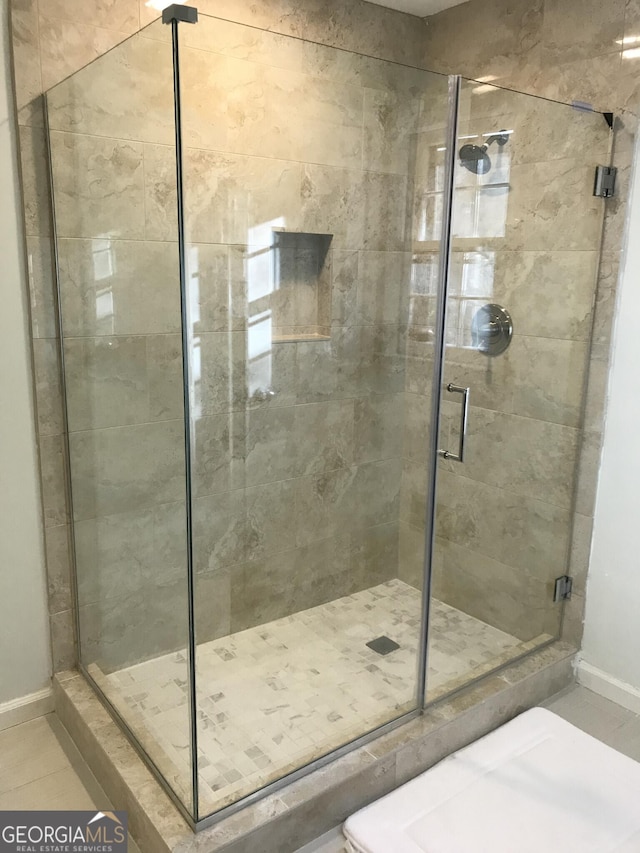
(301, 295)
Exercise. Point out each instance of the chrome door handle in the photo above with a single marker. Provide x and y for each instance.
(446, 454)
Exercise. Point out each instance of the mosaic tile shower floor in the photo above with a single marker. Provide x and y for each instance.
(277, 696)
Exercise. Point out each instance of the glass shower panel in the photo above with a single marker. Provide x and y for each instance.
(111, 125)
(526, 238)
(306, 172)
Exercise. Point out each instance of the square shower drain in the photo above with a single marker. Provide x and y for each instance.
(383, 645)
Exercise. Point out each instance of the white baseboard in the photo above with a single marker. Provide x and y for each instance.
(609, 686)
(26, 708)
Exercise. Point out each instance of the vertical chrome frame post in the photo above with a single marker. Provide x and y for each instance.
(438, 377)
(186, 383)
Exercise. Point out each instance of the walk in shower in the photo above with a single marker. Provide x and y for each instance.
(325, 324)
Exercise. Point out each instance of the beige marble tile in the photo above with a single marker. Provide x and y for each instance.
(548, 379)
(596, 395)
(126, 467)
(100, 100)
(594, 80)
(383, 287)
(379, 32)
(270, 445)
(577, 32)
(63, 644)
(344, 270)
(378, 427)
(59, 567)
(112, 635)
(324, 505)
(109, 554)
(111, 14)
(488, 590)
(225, 373)
(573, 620)
(212, 605)
(118, 287)
(491, 379)
(413, 494)
(35, 182)
(218, 286)
(32, 115)
(580, 551)
(523, 281)
(262, 590)
(332, 369)
(229, 38)
(98, 187)
(561, 131)
(106, 382)
(390, 122)
(220, 453)
(325, 436)
(165, 377)
(417, 426)
(374, 557)
(526, 534)
(332, 204)
(531, 458)
(411, 555)
(26, 51)
(46, 366)
(376, 493)
(247, 110)
(128, 552)
(511, 35)
(123, 380)
(605, 305)
(238, 202)
(53, 477)
(67, 46)
(588, 467)
(557, 211)
(41, 288)
(381, 359)
(272, 517)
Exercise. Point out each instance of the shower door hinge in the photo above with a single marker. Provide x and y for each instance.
(562, 589)
(605, 183)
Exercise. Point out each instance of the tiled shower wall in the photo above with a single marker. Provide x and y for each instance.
(54, 39)
(504, 517)
(566, 50)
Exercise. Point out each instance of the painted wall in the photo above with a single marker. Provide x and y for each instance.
(612, 631)
(24, 642)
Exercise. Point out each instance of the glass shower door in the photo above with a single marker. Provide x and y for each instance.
(525, 242)
(301, 165)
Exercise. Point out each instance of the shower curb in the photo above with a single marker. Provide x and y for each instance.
(310, 806)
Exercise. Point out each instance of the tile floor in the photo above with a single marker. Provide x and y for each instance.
(41, 769)
(297, 688)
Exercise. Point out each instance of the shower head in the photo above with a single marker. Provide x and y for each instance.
(475, 157)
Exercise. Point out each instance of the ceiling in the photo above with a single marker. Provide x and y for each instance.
(422, 8)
